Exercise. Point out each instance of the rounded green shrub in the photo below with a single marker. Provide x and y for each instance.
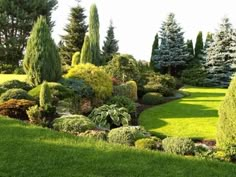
(16, 84)
(15, 94)
(128, 89)
(45, 95)
(94, 76)
(133, 90)
(152, 98)
(73, 124)
(176, 145)
(122, 101)
(97, 134)
(226, 130)
(75, 59)
(127, 135)
(146, 143)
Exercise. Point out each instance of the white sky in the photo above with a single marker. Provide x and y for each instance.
(137, 21)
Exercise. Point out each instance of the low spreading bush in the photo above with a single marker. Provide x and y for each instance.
(122, 101)
(15, 94)
(127, 135)
(95, 77)
(110, 116)
(152, 98)
(73, 124)
(146, 143)
(16, 84)
(16, 108)
(176, 145)
(97, 134)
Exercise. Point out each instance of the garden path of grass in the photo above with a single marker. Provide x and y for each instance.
(194, 116)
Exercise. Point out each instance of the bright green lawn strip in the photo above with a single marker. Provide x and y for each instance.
(8, 77)
(30, 151)
(194, 116)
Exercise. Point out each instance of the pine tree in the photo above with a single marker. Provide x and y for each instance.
(155, 47)
(190, 47)
(16, 21)
(199, 45)
(172, 54)
(86, 52)
(209, 40)
(110, 45)
(94, 36)
(221, 56)
(41, 61)
(75, 31)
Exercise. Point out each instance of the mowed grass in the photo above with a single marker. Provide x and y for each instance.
(8, 77)
(30, 151)
(194, 116)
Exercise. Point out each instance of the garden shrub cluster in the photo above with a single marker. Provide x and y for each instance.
(128, 89)
(152, 98)
(146, 143)
(16, 84)
(122, 101)
(96, 134)
(15, 94)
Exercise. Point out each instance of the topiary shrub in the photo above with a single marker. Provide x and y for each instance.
(16, 108)
(45, 95)
(75, 59)
(146, 143)
(176, 145)
(127, 135)
(97, 134)
(226, 130)
(15, 94)
(133, 90)
(73, 124)
(152, 98)
(110, 116)
(16, 84)
(122, 101)
(94, 76)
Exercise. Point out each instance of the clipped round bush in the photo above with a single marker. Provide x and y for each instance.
(16, 108)
(75, 59)
(97, 134)
(176, 145)
(122, 101)
(152, 98)
(15, 94)
(127, 135)
(16, 84)
(94, 76)
(146, 143)
(133, 90)
(73, 124)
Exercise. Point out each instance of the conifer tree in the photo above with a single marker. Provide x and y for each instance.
(94, 36)
(41, 61)
(155, 47)
(45, 95)
(199, 45)
(209, 40)
(172, 54)
(86, 52)
(75, 59)
(110, 45)
(190, 47)
(75, 30)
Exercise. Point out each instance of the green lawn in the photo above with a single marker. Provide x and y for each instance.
(7, 77)
(194, 116)
(30, 151)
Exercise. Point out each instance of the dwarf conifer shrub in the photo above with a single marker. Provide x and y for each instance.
(15, 94)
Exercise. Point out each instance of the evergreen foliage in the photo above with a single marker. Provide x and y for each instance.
(16, 21)
(199, 45)
(110, 45)
(41, 61)
(155, 47)
(226, 130)
(94, 36)
(190, 47)
(73, 40)
(45, 95)
(220, 64)
(209, 40)
(86, 52)
(75, 59)
(172, 54)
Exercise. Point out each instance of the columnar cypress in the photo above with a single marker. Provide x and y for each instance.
(45, 95)
(86, 52)
(41, 61)
(199, 45)
(94, 36)
(75, 59)
(190, 47)
(155, 47)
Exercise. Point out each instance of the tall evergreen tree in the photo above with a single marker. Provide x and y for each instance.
(221, 56)
(73, 40)
(209, 40)
(16, 21)
(110, 45)
(41, 61)
(190, 47)
(155, 47)
(86, 52)
(172, 54)
(199, 45)
(94, 36)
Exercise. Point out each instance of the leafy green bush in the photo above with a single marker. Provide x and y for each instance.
(146, 143)
(194, 76)
(176, 145)
(15, 94)
(152, 98)
(97, 134)
(94, 76)
(133, 90)
(109, 116)
(123, 67)
(128, 89)
(16, 84)
(16, 108)
(45, 95)
(122, 101)
(127, 135)
(73, 124)
(75, 59)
